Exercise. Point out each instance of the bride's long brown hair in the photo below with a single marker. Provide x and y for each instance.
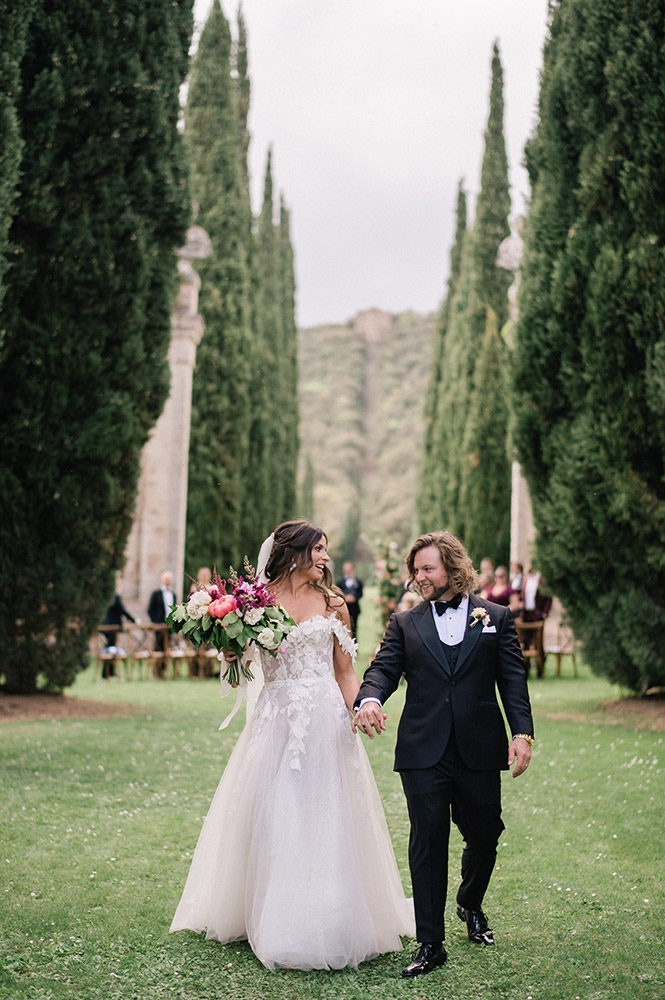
(292, 549)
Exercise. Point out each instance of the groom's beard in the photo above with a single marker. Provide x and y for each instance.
(433, 595)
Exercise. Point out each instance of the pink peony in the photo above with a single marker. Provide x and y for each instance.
(222, 606)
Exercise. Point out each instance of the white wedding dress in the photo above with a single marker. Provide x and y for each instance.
(295, 854)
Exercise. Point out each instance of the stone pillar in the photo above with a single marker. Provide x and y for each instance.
(157, 539)
(522, 531)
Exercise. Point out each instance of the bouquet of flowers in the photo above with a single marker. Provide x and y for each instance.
(230, 614)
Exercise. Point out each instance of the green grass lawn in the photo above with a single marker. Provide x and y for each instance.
(99, 819)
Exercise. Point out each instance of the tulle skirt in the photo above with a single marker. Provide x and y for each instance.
(295, 854)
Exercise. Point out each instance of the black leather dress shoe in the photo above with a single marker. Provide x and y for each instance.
(426, 959)
(476, 925)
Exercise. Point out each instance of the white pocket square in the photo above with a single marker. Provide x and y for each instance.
(489, 628)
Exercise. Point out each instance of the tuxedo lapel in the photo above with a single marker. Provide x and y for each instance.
(471, 635)
(424, 622)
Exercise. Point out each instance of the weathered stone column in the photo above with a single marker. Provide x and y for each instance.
(157, 539)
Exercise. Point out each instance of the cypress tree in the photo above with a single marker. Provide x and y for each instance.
(493, 206)
(486, 485)
(15, 17)
(480, 292)
(272, 338)
(289, 361)
(221, 386)
(429, 488)
(589, 367)
(307, 502)
(240, 59)
(254, 515)
(86, 315)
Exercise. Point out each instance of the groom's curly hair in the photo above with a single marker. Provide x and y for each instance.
(456, 561)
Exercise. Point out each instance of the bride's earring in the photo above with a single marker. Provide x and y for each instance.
(292, 566)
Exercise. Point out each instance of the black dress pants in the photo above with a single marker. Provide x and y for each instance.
(473, 800)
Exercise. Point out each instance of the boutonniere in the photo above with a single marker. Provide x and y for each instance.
(479, 615)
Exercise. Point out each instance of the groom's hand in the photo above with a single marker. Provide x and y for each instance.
(370, 716)
(519, 751)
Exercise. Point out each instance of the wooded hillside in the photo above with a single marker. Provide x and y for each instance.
(361, 422)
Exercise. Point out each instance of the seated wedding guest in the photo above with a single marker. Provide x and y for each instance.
(116, 612)
(203, 579)
(352, 591)
(161, 602)
(516, 575)
(409, 600)
(486, 575)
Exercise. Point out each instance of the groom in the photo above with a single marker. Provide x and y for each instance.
(454, 649)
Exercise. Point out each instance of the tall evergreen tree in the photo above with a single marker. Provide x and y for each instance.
(589, 369)
(478, 301)
(487, 482)
(103, 204)
(221, 386)
(307, 504)
(289, 361)
(278, 357)
(491, 225)
(240, 59)
(15, 16)
(429, 486)
(254, 515)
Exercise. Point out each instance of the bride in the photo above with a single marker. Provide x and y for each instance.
(295, 854)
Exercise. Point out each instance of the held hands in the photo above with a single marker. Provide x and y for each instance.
(519, 752)
(370, 716)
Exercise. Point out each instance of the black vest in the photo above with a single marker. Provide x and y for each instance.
(451, 654)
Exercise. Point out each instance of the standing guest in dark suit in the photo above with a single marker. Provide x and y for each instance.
(455, 650)
(161, 602)
(116, 612)
(352, 588)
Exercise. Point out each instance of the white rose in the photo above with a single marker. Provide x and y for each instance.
(253, 616)
(198, 604)
(266, 638)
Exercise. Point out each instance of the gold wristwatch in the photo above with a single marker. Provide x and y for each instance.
(525, 736)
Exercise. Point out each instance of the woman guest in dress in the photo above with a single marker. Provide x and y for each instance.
(501, 592)
(295, 855)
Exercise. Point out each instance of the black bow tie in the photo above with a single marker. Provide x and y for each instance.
(454, 602)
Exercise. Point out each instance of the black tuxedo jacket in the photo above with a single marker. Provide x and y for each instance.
(356, 590)
(157, 610)
(438, 700)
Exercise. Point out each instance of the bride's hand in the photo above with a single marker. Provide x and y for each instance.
(371, 715)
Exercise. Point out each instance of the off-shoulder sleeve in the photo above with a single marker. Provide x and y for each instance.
(347, 643)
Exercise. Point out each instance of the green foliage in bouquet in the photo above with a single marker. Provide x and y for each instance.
(233, 619)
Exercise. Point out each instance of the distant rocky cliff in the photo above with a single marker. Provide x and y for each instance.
(362, 387)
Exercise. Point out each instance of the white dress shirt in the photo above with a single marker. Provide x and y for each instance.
(450, 626)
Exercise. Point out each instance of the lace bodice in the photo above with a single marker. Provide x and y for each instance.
(308, 650)
(299, 683)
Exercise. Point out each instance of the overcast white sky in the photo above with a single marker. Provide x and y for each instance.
(375, 109)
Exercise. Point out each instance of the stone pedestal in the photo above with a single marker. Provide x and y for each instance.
(157, 539)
